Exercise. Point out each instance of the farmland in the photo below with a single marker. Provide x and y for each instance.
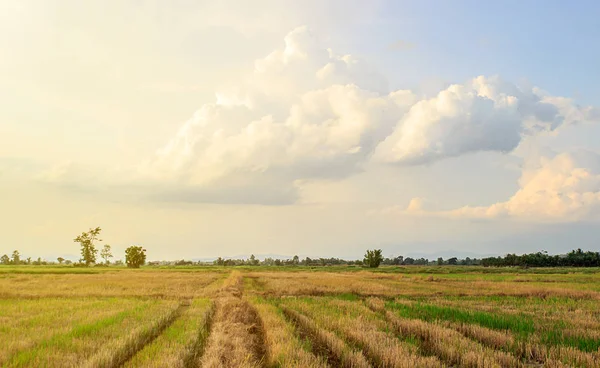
(299, 317)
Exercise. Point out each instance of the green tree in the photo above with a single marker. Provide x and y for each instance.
(373, 258)
(440, 261)
(106, 254)
(135, 256)
(295, 261)
(253, 260)
(16, 257)
(60, 260)
(453, 261)
(87, 241)
(5, 259)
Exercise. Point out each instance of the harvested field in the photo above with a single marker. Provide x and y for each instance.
(298, 317)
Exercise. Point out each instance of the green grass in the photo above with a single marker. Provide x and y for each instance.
(53, 315)
(185, 337)
(86, 338)
(556, 337)
(520, 325)
(64, 341)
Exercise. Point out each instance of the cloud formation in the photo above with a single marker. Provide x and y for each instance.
(563, 188)
(303, 113)
(308, 113)
(484, 114)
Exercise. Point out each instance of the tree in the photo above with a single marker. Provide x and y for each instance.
(5, 259)
(373, 258)
(253, 260)
(295, 261)
(453, 261)
(88, 248)
(60, 260)
(398, 260)
(106, 254)
(135, 256)
(16, 257)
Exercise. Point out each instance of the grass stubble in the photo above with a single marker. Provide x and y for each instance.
(180, 344)
(300, 318)
(236, 338)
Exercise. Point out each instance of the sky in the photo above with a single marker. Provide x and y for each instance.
(201, 129)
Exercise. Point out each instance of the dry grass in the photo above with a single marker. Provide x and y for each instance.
(236, 338)
(365, 329)
(284, 349)
(118, 351)
(391, 284)
(24, 324)
(181, 343)
(534, 330)
(85, 341)
(183, 285)
(451, 346)
(326, 344)
(298, 319)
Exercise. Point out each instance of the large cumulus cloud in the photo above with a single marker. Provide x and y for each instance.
(305, 112)
(484, 114)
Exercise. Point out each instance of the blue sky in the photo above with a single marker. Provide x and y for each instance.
(548, 43)
(203, 129)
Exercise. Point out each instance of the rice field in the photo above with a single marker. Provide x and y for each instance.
(299, 317)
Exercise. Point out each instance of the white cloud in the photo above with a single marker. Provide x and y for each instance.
(485, 114)
(307, 113)
(303, 113)
(562, 188)
(566, 187)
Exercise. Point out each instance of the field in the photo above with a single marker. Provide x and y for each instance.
(299, 317)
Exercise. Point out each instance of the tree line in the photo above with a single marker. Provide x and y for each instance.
(135, 256)
(575, 258)
(374, 258)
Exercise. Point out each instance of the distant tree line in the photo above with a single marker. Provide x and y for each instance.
(373, 258)
(135, 256)
(575, 258)
(17, 259)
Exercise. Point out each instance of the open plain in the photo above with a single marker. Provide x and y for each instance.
(412, 316)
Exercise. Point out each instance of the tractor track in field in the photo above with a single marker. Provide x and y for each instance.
(123, 355)
(324, 343)
(236, 335)
(197, 347)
